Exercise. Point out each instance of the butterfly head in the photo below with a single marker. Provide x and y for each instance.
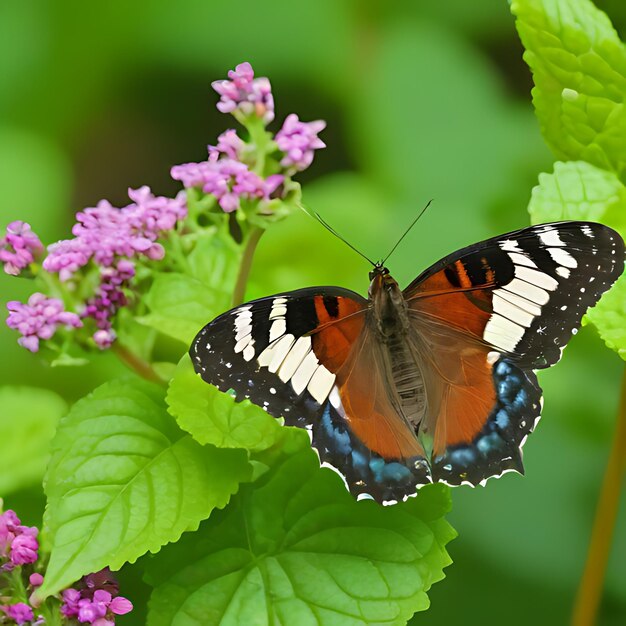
(386, 301)
(378, 270)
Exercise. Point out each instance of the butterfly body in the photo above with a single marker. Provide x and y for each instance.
(431, 383)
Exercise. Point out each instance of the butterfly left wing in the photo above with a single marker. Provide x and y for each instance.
(308, 356)
(485, 317)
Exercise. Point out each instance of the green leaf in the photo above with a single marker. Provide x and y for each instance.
(29, 419)
(180, 306)
(182, 303)
(296, 548)
(580, 191)
(579, 68)
(124, 480)
(214, 417)
(576, 191)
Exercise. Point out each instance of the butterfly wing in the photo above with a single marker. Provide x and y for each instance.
(308, 356)
(484, 318)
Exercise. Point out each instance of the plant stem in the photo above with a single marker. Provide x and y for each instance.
(138, 365)
(592, 581)
(246, 264)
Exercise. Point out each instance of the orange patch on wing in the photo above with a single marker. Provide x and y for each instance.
(469, 311)
(333, 342)
(467, 403)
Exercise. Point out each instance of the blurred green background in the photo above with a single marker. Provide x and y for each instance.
(423, 100)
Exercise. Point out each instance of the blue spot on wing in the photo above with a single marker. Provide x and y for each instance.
(365, 471)
(497, 447)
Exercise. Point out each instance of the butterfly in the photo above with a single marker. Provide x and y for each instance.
(432, 383)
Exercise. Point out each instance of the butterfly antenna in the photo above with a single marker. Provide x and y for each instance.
(331, 230)
(406, 232)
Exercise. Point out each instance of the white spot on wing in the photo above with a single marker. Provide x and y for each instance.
(550, 237)
(510, 245)
(528, 291)
(492, 357)
(304, 373)
(522, 303)
(335, 398)
(294, 357)
(320, 385)
(521, 259)
(275, 353)
(502, 333)
(540, 279)
(587, 231)
(562, 257)
(510, 311)
(563, 272)
(278, 328)
(248, 352)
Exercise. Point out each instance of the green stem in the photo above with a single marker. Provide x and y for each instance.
(138, 365)
(246, 263)
(592, 582)
(260, 138)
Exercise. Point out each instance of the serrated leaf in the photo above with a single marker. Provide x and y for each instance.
(27, 423)
(125, 480)
(296, 548)
(579, 68)
(214, 417)
(576, 191)
(580, 191)
(182, 303)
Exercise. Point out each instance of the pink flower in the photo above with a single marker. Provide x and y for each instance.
(19, 247)
(36, 580)
(228, 143)
(120, 606)
(24, 547)
(9, 528)
(71, 597)
(39, 319)
(20, 613)
(91, 610)
(228, 180)
(243, 92)
(298, 140)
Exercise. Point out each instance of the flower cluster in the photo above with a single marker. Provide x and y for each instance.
(228, 180)
(110, 238)
(243, 92)
(93, 274)
(95, 600)
(105, 233)
(18, 543)
(19, 247)
(39, 319)
(226, 174)
(19, 612)
(18, 547)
